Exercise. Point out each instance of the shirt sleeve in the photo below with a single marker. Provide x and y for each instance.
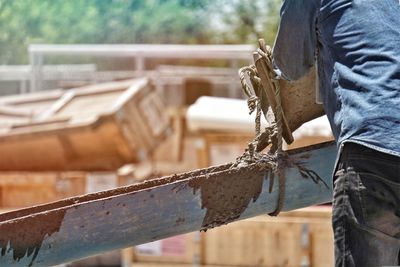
(295, 45)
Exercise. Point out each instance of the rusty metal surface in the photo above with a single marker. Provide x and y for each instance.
(83, 226)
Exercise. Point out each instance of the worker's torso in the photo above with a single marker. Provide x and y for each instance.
(359, 70)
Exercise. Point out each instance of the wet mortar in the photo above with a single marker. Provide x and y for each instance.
(30, 235)
(226, 195)
(146, 185)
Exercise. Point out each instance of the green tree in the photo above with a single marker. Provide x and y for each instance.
(23, 22)
(245, 21)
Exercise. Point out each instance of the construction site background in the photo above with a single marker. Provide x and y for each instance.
(106, 42)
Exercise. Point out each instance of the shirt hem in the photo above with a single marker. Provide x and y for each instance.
(380, 149)
(341, 145)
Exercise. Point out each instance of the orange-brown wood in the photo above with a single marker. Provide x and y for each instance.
(97, 127)
(24, 189)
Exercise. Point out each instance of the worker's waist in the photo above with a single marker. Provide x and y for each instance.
(353, 150)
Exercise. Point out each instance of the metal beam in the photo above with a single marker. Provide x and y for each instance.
(83, 226)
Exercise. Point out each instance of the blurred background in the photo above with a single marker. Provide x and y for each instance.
(25, 22)
(96, 94)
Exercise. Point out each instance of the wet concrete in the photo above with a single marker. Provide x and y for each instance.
(111, 193)
(30, 235)
(227, 194)
(298, 100)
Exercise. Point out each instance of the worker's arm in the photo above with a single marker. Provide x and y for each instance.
(295, 45)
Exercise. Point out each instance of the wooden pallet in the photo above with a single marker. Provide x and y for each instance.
(97, 127)
(19, 190)
(294, 238)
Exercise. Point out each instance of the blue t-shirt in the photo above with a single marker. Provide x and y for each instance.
(357, 46)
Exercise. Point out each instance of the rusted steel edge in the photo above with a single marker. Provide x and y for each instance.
(79, 227)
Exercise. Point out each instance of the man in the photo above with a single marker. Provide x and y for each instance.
(356, 44)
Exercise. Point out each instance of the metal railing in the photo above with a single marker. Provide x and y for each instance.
(70, 72)
(139, 52)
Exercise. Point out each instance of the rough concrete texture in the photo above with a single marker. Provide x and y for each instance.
(298, 100)
(227, 194)
(30, 235)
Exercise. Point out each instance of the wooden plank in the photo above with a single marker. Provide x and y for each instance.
(178, 249)
(176, 70)
(39, 97)
(98, 127)
(14, 112)
(321, 243)
(224, 147)
(57, 106)
(25, 189)
(26, 179)
(179, 126)
(273, 241)
(141, 264)
(28, 195)
(79, 227)
(254, 244)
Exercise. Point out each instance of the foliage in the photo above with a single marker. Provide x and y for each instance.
(245, 21)
(23, 22)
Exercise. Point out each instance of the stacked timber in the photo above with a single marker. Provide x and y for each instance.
(225, 127)
(93, 128)
(19, 190)
(298, 238)
(312, 132)
(24, 189)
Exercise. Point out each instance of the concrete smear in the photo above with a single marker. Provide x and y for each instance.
(227, 194)
(31, 234)
(110, 193)
(298, 100)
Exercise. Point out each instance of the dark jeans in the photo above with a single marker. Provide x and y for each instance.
(366, 208)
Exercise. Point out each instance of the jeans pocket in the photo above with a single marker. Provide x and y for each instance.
(380, 200)
(347, 202)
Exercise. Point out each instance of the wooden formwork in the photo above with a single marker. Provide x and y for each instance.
(99, 127)
(221, 147)
(298, 238)
(24, 189)
(28, 189)
(302, 238)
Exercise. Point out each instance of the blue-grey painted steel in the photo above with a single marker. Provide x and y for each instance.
(133, 218)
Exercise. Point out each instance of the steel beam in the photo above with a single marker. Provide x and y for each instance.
(83, 226)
